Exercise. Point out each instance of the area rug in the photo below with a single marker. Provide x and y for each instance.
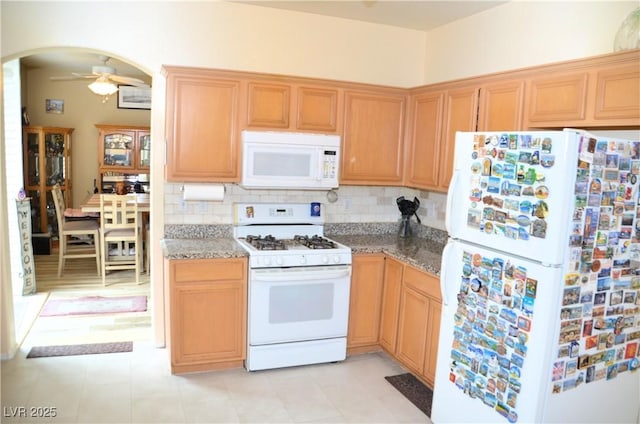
(413, 389)
(94, 305)
(81, 349)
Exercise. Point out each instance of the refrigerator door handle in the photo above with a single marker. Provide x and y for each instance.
(443, 273)
(450, 196)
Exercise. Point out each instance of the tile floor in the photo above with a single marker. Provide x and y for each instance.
(137, 387)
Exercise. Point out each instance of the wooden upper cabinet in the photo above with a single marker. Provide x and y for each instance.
(317, 109)
(618, 94)
(558, 98)
(501, 106)
(424, 135)
(603, 91)
(292, 107)
(202, 138)
(268, 105)
(460, 115)
(372, 148)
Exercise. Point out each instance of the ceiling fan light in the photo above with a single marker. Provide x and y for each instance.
(103, 88)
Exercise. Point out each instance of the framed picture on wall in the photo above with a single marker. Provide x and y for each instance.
(130, 97)
(54, 106)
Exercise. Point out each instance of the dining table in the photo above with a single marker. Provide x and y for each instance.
(92, 204)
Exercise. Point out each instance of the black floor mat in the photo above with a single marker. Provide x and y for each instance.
(413, 389)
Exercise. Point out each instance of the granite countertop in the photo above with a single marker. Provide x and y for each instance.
(423, 252)
(202, 248)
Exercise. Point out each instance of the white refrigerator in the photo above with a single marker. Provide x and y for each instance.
(541, 281)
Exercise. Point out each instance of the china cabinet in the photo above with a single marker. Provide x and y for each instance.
(47, 162)
(124, 154)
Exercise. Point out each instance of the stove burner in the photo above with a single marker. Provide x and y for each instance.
(268, 242)
(315, 242)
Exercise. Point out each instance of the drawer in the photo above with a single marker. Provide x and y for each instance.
(422, 282)
(208, 269)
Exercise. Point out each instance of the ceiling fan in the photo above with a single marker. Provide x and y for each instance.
(106, 78)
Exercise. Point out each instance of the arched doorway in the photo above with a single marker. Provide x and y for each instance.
(51, 60)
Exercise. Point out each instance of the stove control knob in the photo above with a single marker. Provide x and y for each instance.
(267, 261)
(303, 260)
(336, 259)
(279, 261)
(325, 259)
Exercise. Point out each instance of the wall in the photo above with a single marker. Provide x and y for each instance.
(82, 110)
(520, 34)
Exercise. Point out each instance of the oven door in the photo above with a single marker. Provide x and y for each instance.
(295, 304)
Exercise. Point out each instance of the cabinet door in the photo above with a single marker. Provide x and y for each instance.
(317, 109)
(390, 304)
(433, 334)
(373, 138)
(423, 155)
(144, 149)
(501, 105)
(618, 94)
(460, 115)
(207, 312)
(201, 128)
(117, 149)
(554, 99)
(365, 300)
(412, 328)
(268, 105)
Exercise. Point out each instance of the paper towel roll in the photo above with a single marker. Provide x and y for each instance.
(213, 192)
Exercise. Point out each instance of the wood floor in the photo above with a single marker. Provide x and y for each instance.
(80, 278)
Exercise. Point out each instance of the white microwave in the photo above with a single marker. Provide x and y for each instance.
(286, 160)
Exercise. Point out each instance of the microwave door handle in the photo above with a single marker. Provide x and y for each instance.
(320, 175)
(284, 276)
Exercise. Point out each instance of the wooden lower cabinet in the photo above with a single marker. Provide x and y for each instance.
(390, 304)
(207, 313)
(365, 302)
(397, 307)
(419, 323)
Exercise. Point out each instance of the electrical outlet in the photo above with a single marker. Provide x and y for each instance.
(347, 203)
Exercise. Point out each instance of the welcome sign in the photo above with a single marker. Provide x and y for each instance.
(26, 249)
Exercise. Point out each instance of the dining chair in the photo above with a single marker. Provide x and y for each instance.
(73, 234)
(120, 233)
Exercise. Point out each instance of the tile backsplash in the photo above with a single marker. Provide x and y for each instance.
(354, 204)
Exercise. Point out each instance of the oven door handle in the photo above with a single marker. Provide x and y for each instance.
(298, 275)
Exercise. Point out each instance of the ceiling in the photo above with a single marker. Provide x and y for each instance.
(422, 15)
(61, 63)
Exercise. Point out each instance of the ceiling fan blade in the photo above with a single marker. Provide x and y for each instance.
(75, 74)
(127, 80)
(71, 78)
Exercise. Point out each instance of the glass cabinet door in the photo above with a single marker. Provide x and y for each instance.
(118, 150)
(32, 159)
(55, 149)
(144, 141)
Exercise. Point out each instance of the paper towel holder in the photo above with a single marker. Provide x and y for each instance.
(203, 192)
